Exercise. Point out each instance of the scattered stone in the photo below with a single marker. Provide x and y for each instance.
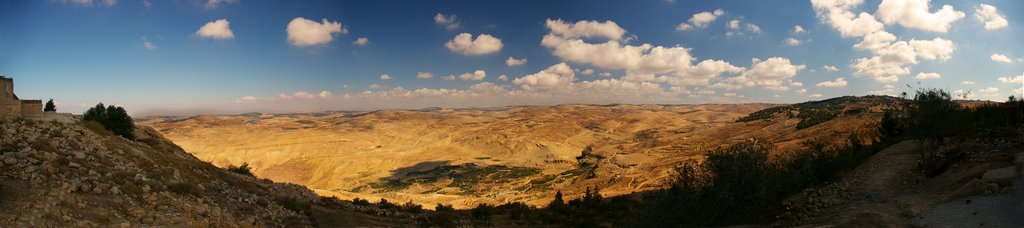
(1001, 176)
(971, 188)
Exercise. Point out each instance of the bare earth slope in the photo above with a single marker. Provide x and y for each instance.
(469, 156)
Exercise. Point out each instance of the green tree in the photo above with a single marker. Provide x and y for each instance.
(50, 107)
(113, 118)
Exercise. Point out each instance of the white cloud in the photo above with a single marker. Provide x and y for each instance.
(891, 60)
(915, 14)
(503, 77)
(450, 77)
(798, 29)
(839, 82)
(148, 45)
(304, 32)
(107, 3)
(923, 76)
(684, 27)
(733, 24)
(449, 22)
(213, 4)
(362, 41)
(644, 62)
(816, 95)
(465, 44)
(989, 90)
(514, 61)
(554, 76)
(377, 86)
(990, 16)
(830, 68)
(793, 41)
(219, 30)
(1014, 80)
(1000, 58)
(424, 75)
(475, 76)
(838, 14)
(587, 72)
(605, 74)
(753, 28)
(585, 29)
(385, 77)
(771, 74)
(968, 82)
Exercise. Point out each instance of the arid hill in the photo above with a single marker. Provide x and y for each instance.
(63, 174)
(466, 157)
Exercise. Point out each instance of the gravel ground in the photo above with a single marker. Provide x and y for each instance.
(1004, 210)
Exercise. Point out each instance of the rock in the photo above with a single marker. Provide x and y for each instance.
(10, 161)
(969, 189)
(1001, 176)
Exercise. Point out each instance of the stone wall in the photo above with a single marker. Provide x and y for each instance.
(32, 108)
(10, 108)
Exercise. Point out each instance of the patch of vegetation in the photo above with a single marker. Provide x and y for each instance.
(764, 114)
(50, 107)
(465, 177)
(483, 158)
(243, 169)
(810, 117)
(113, 118)
(185, 188)
(97, 128)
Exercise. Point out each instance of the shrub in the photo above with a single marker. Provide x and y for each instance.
(244, 169)
(97, 128)
(412, 207)
(113, 118)
(360, 202)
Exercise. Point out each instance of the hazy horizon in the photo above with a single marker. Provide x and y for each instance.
(221, 57)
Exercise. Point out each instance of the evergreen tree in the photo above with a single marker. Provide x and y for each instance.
(50, 107)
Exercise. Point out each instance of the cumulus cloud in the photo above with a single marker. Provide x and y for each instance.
(450, 77)
(830, 68)
(793, 41)
(362, 41)
(218, 30)
(915, 14)
(700, 20)
(816, 95)
(503, 77)
(514, 61)
(449, 22)
(923, 76)
(1014, 80)
(483, 44)
(772, 74)
(587, 72)
(839, 82)
(554, 76)
(424, 75)
(377, 86)
(304, 32)
(645, 62)
(474, 76)
(385, 77)
(892, 59)
(798, 29)
(968, 82)
(801, 91)
(838, 14)
(1000, 58)
(990, 15)
(147, 44)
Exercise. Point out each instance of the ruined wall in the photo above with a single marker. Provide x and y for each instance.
(6, 88)
(32, 108)
(10, 108)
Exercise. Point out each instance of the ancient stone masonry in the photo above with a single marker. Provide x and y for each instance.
(12, 107)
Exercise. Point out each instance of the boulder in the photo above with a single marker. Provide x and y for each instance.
(971, 188)
(1001, 176)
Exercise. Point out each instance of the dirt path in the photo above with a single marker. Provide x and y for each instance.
(887, 191)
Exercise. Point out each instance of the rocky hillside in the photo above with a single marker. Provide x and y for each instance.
(56, 174)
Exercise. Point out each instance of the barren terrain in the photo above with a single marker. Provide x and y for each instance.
(466, 157)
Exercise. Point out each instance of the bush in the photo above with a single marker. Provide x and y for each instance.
(244, 169)
(113, 118)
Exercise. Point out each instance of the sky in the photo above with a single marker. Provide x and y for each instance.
(181, 57)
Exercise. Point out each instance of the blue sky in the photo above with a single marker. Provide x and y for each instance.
(187, 57)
